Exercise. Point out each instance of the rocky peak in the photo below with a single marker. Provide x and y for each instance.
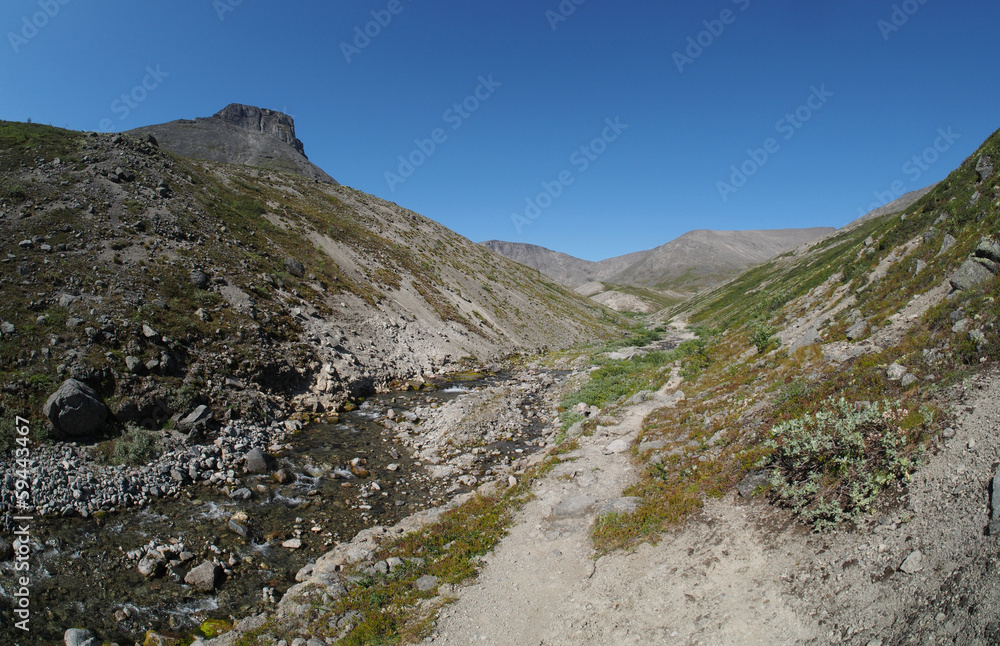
(268, 122)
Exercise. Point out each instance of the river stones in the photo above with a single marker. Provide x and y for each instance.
(203, 577)
(256, 462)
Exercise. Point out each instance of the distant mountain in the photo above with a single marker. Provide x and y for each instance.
(692, 262)
(702, 258)
(560, 267)
(239, 134)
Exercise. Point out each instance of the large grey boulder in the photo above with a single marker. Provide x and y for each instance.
(970, 274)
(203, 577)
(200, 416)
(75, 410)
(256, 462)
(989, 249)
(984, 167)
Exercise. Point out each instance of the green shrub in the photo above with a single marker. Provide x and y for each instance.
(136, 447)
(831, 466)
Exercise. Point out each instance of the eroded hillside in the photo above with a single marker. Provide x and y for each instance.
(164, 283)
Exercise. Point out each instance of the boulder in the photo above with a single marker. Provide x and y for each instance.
(896, 372)
(946, 244)
(857, 330)
(294, 267)
(200, 416)
(984, 167)
(969, 275)
(75, 410)
(989, 249)
(203, 577)
(426, 583)
(752, 482)
(199, 279)
(80, 637)
(256, 462)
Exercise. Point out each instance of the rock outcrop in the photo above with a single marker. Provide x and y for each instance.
(75, 410)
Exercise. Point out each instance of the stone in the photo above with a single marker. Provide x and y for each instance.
(753, 481)
(73, 322)
(200, 416)
(75, 410)
(913, 563)
(295, 267)
(426, 583)
(202, 315)
(969, 275)
(961, 326)
(920, 266)
(7, 328)
(946, 244)
(80, 637)
(284, 476)
(151, 566)
(574, 506)
(896, 372)
(857, 330)
(652, 445)
(156, 639)
(242, 493)
(199, 278)
(256, 462)
(989, 249)
(618, 446)
(204, 577)
(149, 332)
(984, 167)
(292, 544)
(908, 380)
(640, 397)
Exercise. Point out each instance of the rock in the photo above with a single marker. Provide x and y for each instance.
(896, 372)
(200, 416)
(618, 446)
(857, 330)
(946, 244)
(156, 639)
(961, 326)
(204, 316)
(752, 482)
(134, 364)
(913, 563)
(623, 354)
(969, 275)
(256, 462)
(908, 380)
(242, 493)
(73, 322)
(294, 267)
(984, 167)
(426, 583)
(75, 410)
(149, 332)
(238, 528)
(80, 637)
(989, 249)
(652, 445)
(199, 278)
(7, 328)
(26, 244)
(284, 476)
(920, 266)
(994, 527)
(151, 566)
(574, 506)
(292, 544)
(203, 577)
(640, 397)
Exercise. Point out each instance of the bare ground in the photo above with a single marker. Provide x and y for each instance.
(743, 572)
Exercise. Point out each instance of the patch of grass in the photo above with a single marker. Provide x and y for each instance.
(135, 447)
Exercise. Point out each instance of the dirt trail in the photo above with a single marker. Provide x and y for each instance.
(743, 573)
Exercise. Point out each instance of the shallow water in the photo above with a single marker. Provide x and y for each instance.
(82, 575)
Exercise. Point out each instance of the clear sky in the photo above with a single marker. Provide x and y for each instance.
(602, 127)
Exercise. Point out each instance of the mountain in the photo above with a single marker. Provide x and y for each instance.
(692, 262)
(155, 277)
(702, 258)
(239, 134)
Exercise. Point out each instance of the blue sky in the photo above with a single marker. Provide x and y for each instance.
(820, 107)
